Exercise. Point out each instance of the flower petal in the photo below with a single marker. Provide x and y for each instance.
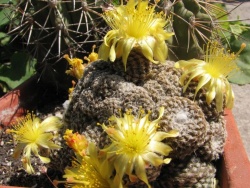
(203, 81)
(44, 140)
(161, 51)
(210, 95)
(44, 159)
(161, 112)
(229, 96)
(127, 47)
(112, 53)
(153, 159)
(51, 123)
(109, 37)
(27, 165)
(167, 160)
(219, 95)
(103, 52)
(140, 170)
(159, 147)
(192, 76)
(120, 164)
(186, 64)
(119, 48)
(159, 136)
(147, 46)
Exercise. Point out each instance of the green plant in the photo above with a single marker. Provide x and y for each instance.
(232, 33)
(194, 24)
(46, 30)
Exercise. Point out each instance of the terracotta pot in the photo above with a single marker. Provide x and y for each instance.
(234, 168)
(16, 102)
(28, 96)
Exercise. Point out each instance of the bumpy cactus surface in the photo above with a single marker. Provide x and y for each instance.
(103, 91)
(110, 88)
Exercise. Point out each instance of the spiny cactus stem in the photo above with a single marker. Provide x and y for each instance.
(85, 11)
(25, 9)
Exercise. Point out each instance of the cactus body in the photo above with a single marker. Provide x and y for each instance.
(194, 25)
(53, 28)
(103, 91)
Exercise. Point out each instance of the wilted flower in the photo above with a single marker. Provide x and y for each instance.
(89, 171)
(76, 141)
(93, 56)
(32, 135)
(71, 89)
(135, 144)
(135, 25)
(77, 67)
(211, 74)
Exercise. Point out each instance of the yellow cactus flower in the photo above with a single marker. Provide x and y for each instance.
(211, 74)
(77, 67)
(93, 56)
(89, 171)
(76, 141)
(135, 144)
(135, 25)
(32, 135)
(70, 91)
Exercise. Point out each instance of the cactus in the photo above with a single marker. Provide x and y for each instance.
(126, 80)
(194, 24)
(48, 29)
(55, 27)
(107, 88)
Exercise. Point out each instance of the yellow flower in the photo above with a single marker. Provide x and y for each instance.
(135, 144)
(93, 56)
(76, 141)
(89, 171)
(31, 135)
(77, 67)
(135, 25)
(70, 91)
(211, 73)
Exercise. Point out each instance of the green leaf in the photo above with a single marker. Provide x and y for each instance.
(6, 12)
(4, 16)
(237, 29)
(18, 70)
(243, 61)
(4, 39)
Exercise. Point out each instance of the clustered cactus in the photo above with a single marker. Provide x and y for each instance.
(108, 88)
(135, 119)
